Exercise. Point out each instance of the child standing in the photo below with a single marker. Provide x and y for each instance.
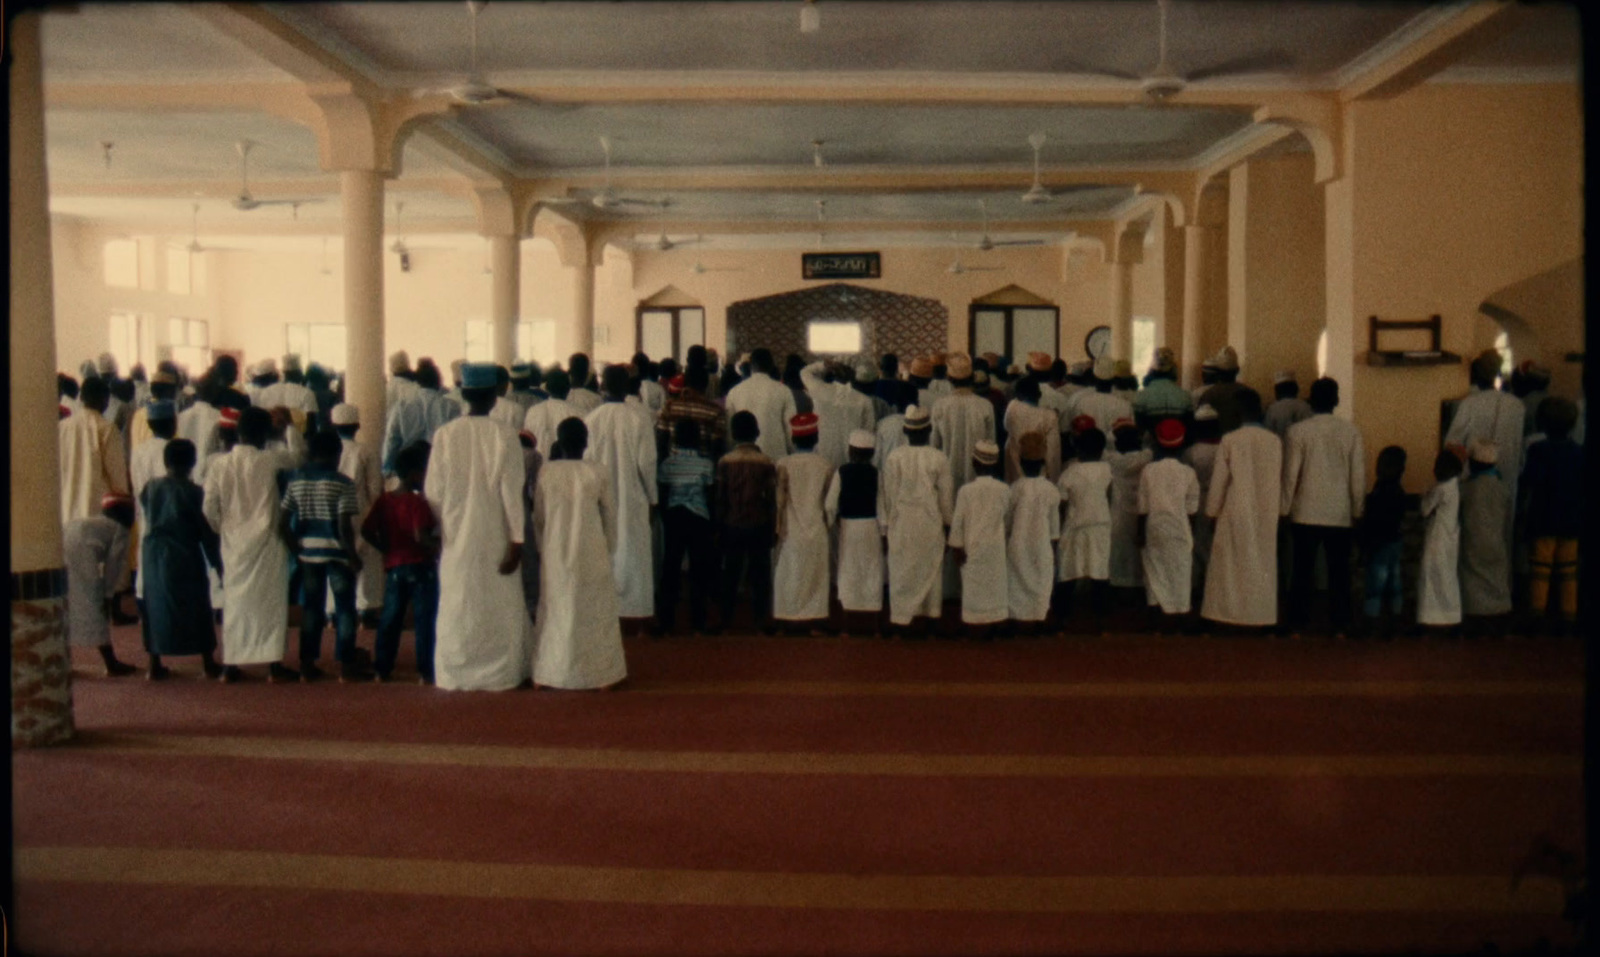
(978, 532)
(1169, 495)
(1127, 461)
(1035, 529)
(1204, 439)
(800, 581)
(176, 549)
(917, 499)
(684, 477)
(1485, 562)
(852, 503)
(747, 492)
(1380, 535)
(402, 526)
(1085, 550)
(95, 552)
(1439, 586)
(319, 509)
(360, 465)
(1552, 490)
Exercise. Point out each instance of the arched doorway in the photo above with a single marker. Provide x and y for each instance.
(839, 320)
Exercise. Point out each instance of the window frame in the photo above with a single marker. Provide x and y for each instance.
(1010, 319)
(679, 347)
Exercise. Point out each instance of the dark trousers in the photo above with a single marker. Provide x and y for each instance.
(747, 552)
(685, 533)
(1336, 541)
(417, 585)
(316, 579)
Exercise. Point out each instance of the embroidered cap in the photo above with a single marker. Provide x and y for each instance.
(863, 440)
(230, 418)
(917, 419)
(1040, 361)
(1169, 433)
(803, 425)
(986, 453)
(345, 414)
(1082, 424)
(1205, 414)
(479, 375)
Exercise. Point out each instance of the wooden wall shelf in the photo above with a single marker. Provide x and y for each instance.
(1401, 358)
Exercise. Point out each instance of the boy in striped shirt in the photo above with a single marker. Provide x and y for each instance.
(319, 511)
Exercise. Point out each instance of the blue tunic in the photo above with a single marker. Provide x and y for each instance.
(173, 555)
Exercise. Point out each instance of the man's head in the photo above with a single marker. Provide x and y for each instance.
(919, 425)
(255, 425)
(803, 431)
(1285, 388)
(225, 370)
(643, 367)
(744, 427)
(572, 437)
(1028, 390)
(1391, 463)
(428, 375)
(502, 380)
(557, 384)
(522, 376)
(792, 365)
(162, 416)
(292, 370)
(578, 370)
(122, 389)
(1169, 435)
(179, 458)
(695, 357)
(1207, 424)
(959, 369)
(479, 382)
(66, 386)
(1446, 466)
(411, 464)
(889, 365)
(95, 394)
(986, 458)
(1248, 402)
(862, 445)
(697, 379)
(761, 361)
(615, 381)
(1089, 445)
(1324, 395)
(1485, 369)
(346, 419)
(1126, 435)
(324, 448)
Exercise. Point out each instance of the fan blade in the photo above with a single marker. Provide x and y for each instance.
(302, 201)
(1083, 69)
(625, 201)
(1273, 61)
(1016, 242)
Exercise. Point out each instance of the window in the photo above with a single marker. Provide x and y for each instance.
(663, 331)
(179, 281)
(1322, 354)
(190, 340)
(131, 339)
(833, 338)
(319, 342)
(122, 263)
(535, 340)
(1502, 345)
(1014, 331)
(1144, 344)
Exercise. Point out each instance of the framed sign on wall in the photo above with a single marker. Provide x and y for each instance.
(840, 266)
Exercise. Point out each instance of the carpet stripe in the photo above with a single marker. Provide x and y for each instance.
(1463, 894)
(913, 765)
(1121, 689)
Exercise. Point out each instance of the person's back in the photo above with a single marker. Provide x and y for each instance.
(580, 638)
(1244, 499)
(1031, 548)
(1484, 559)
(773, 405)
(800, 583)
(401, 525)
(978, 530)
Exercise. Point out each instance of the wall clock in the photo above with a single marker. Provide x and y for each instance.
(1098, 342)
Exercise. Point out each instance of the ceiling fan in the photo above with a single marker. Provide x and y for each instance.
(956, 268)
(700, 269)
(662, 243)
(606, 198)
(194, 227)
(473, 89)
(985, 243)
(1162, 83)
(244, 202)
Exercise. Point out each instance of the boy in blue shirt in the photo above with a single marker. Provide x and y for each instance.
(319, 510)
(685, 478)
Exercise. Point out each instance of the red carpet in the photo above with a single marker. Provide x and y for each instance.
(797, 795)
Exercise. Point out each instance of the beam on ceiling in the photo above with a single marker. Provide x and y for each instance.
(283, 46)
(226, 189)
(1424, 46)
(861, 179)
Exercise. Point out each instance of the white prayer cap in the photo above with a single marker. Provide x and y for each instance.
(864, 440)
(1105, 368)
(267, 366)
(1226, 360)
(1282, 376)
(1205, 414)
(106, 363)
(399, 362)
(866, 372)
(291, 362)
(986, 453)
(917, 419)
(1484, 452)
(345, 414)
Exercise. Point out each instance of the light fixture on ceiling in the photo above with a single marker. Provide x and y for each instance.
(399, 244)
(194, 230)
(816, 154)
(822, 224)
(810, 17)
(105, 147)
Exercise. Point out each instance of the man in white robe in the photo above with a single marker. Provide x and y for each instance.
(800, 580)
(1099, 403)
(418, 416)
(289, 394)
(1487, 413)
(93, 462)
(1035, 529)
(839, 408)
(622, 441)
(401, 384)
(769, 400)
(580, 638)
(961, 420)
(917, 500)
(506, 411)
(1024, 416)
(242, 504)
(475, 480)
(1246, 492)
(978, 529)
(583, 398)
(543, 419)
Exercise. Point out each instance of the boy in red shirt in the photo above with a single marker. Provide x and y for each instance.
(403, 527)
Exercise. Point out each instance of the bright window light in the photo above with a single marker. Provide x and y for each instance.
(833, 338)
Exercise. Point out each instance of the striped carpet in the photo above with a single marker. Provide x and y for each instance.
(802, 795)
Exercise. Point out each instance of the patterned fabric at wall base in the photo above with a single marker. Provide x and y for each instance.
(41, 673)
(890, 322)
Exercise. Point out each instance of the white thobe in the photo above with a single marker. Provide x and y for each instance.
(915, 500)
(1169, 492)
(1031, 548)
(800, 578)
(1246, 486)
(860, 564)
(398, 389)
(1324, 472)
(1022, 418)
(1496, 416)
(580, 638)
(584, 400)
(979, 526)
(935, 390)
(771, 402)
(544, 419)
(198, 424)
(960, 421)
(1105, 408)
(289, 395)
(653, 396)
(144, 466)
(475, 479)
(1060, 403)
(1127, 570)
(1439, 584)
(508, 413)
(891, 435)
(623, 444)
(840, 410)
(1202, 457)
(241, 503)
(1085, 549)
(94, 551)
(358, 464)
(92, 463)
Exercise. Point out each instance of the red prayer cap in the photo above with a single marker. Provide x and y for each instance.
(675, 385)
(63, 412)
(1082, 424)
(230, 418)
(111, 499)
(1169, 433)
(803, 424)
(1123, 423)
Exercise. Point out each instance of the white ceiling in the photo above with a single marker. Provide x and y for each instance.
(162, 158)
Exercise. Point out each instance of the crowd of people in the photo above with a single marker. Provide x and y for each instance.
(523, 517)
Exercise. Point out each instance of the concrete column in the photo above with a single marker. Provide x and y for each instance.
(1121, 313)
(361, 194)
(1339, 266)
(505, 255)
(41, 671)
(580, 331)
(1194, 292)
